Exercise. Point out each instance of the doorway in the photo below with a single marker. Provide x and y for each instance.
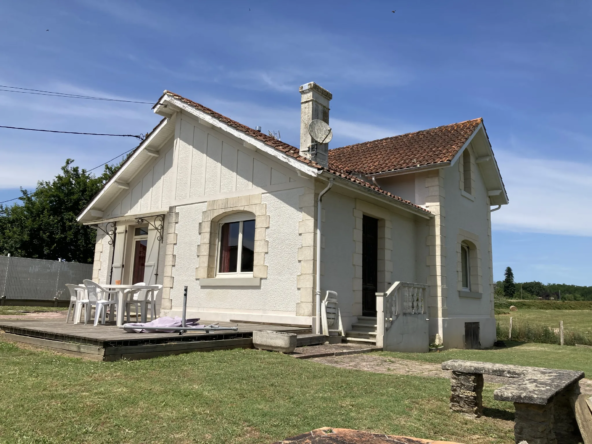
(369, 265)
(139, 255)
(472, 335)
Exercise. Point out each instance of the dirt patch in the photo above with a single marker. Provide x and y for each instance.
(381, 364)
(346, 436)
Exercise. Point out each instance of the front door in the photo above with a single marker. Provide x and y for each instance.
(140, 249)
(369, 265)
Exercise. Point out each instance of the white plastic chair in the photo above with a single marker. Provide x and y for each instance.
(77, 300)
(133, 297)
(142, 300)
(101, 297)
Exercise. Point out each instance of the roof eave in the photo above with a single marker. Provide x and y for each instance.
(426, 214)
(167, 100)
(127, 164)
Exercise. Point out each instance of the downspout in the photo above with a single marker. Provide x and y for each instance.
(495, 209)
(318, 283)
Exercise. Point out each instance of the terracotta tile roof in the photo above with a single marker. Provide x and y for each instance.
(427, 147)
(290, 150)
(268, 140)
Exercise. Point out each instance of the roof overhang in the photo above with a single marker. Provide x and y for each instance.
(479, 140)
(169, 104)
(375, 195)
(143, 154)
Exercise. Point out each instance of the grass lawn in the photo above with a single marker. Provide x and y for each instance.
(236, 396)
(16, 310)
(579, 321)
(530, 354)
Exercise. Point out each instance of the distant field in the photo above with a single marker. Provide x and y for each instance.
(574, 321)
(505, 304)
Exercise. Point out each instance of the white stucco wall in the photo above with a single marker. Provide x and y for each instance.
(275, 300)
(463, 213)
(409, 333)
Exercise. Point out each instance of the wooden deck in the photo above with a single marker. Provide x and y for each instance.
(109, 343)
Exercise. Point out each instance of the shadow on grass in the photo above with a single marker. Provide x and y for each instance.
(498, 414)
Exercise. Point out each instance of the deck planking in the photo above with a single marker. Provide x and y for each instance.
(109, 343)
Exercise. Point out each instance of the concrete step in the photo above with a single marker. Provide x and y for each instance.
(351, 340)
(361, 334)
(364, 320)
(363, 327)
(310, 339)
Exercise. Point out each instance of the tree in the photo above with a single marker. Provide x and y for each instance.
(509, 286)
(45, 226)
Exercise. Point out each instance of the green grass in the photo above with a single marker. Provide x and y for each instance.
(505, 304)
(534, 355)
(16, 310)
(574, 322)
(237, 396)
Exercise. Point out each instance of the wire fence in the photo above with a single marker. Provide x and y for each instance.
(38, 279)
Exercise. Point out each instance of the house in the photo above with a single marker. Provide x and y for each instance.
(401, 225)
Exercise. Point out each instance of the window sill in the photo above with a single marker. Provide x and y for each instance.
(469, 294)
(467, 195)
(230, 282)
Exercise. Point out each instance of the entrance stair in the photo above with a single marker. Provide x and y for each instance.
(363, 331)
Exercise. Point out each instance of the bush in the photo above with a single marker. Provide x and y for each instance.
(537, 333)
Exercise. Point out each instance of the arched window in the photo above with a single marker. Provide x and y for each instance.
(465, 257)
(467, 179)
(236, 244)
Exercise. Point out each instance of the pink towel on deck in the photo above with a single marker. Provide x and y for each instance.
(163, 322)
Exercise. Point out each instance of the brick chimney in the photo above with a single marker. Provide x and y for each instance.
(314, 105)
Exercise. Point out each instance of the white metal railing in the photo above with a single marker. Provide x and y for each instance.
(401, 298)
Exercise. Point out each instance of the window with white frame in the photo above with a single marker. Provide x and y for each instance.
(465, 257)
(236, 244)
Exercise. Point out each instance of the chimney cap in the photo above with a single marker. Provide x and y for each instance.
(317, 88)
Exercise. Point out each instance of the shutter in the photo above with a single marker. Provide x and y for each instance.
(153, 247)
(118, 254)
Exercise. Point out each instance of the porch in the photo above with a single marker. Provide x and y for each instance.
(400, 323)
(110, 343)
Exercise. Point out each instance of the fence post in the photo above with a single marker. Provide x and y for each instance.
(561, 332)
(510, 332)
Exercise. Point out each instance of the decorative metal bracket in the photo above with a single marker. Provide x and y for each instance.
(158, 225)
(109, 232)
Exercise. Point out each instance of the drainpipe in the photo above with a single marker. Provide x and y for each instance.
(495, 209)
(318, 289)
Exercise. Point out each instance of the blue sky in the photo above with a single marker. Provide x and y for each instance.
(525, 67)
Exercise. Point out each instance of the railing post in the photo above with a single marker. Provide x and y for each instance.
(379, 319)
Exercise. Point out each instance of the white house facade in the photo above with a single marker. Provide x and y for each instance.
(259, 230)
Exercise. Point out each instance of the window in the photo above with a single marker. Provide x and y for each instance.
(467, 179)
(237, 245)
(465, 257)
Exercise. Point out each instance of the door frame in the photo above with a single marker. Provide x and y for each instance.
(133, 239)
(385, 250)
(369, 306)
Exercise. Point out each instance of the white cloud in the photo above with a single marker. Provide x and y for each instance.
(546, 196)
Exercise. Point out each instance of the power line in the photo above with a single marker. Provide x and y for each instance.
(41, 92)
(122, 154)
(88, 171)
(71, 132)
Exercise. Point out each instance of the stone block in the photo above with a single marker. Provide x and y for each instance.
(466, 396)
(255, 199)
(306, 226)
(262, 221)
(260, 271)
(274, 341)
(534, 423)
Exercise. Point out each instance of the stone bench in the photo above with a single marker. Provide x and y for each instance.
(543, 398)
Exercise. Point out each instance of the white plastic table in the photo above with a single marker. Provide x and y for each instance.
(121, 297)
